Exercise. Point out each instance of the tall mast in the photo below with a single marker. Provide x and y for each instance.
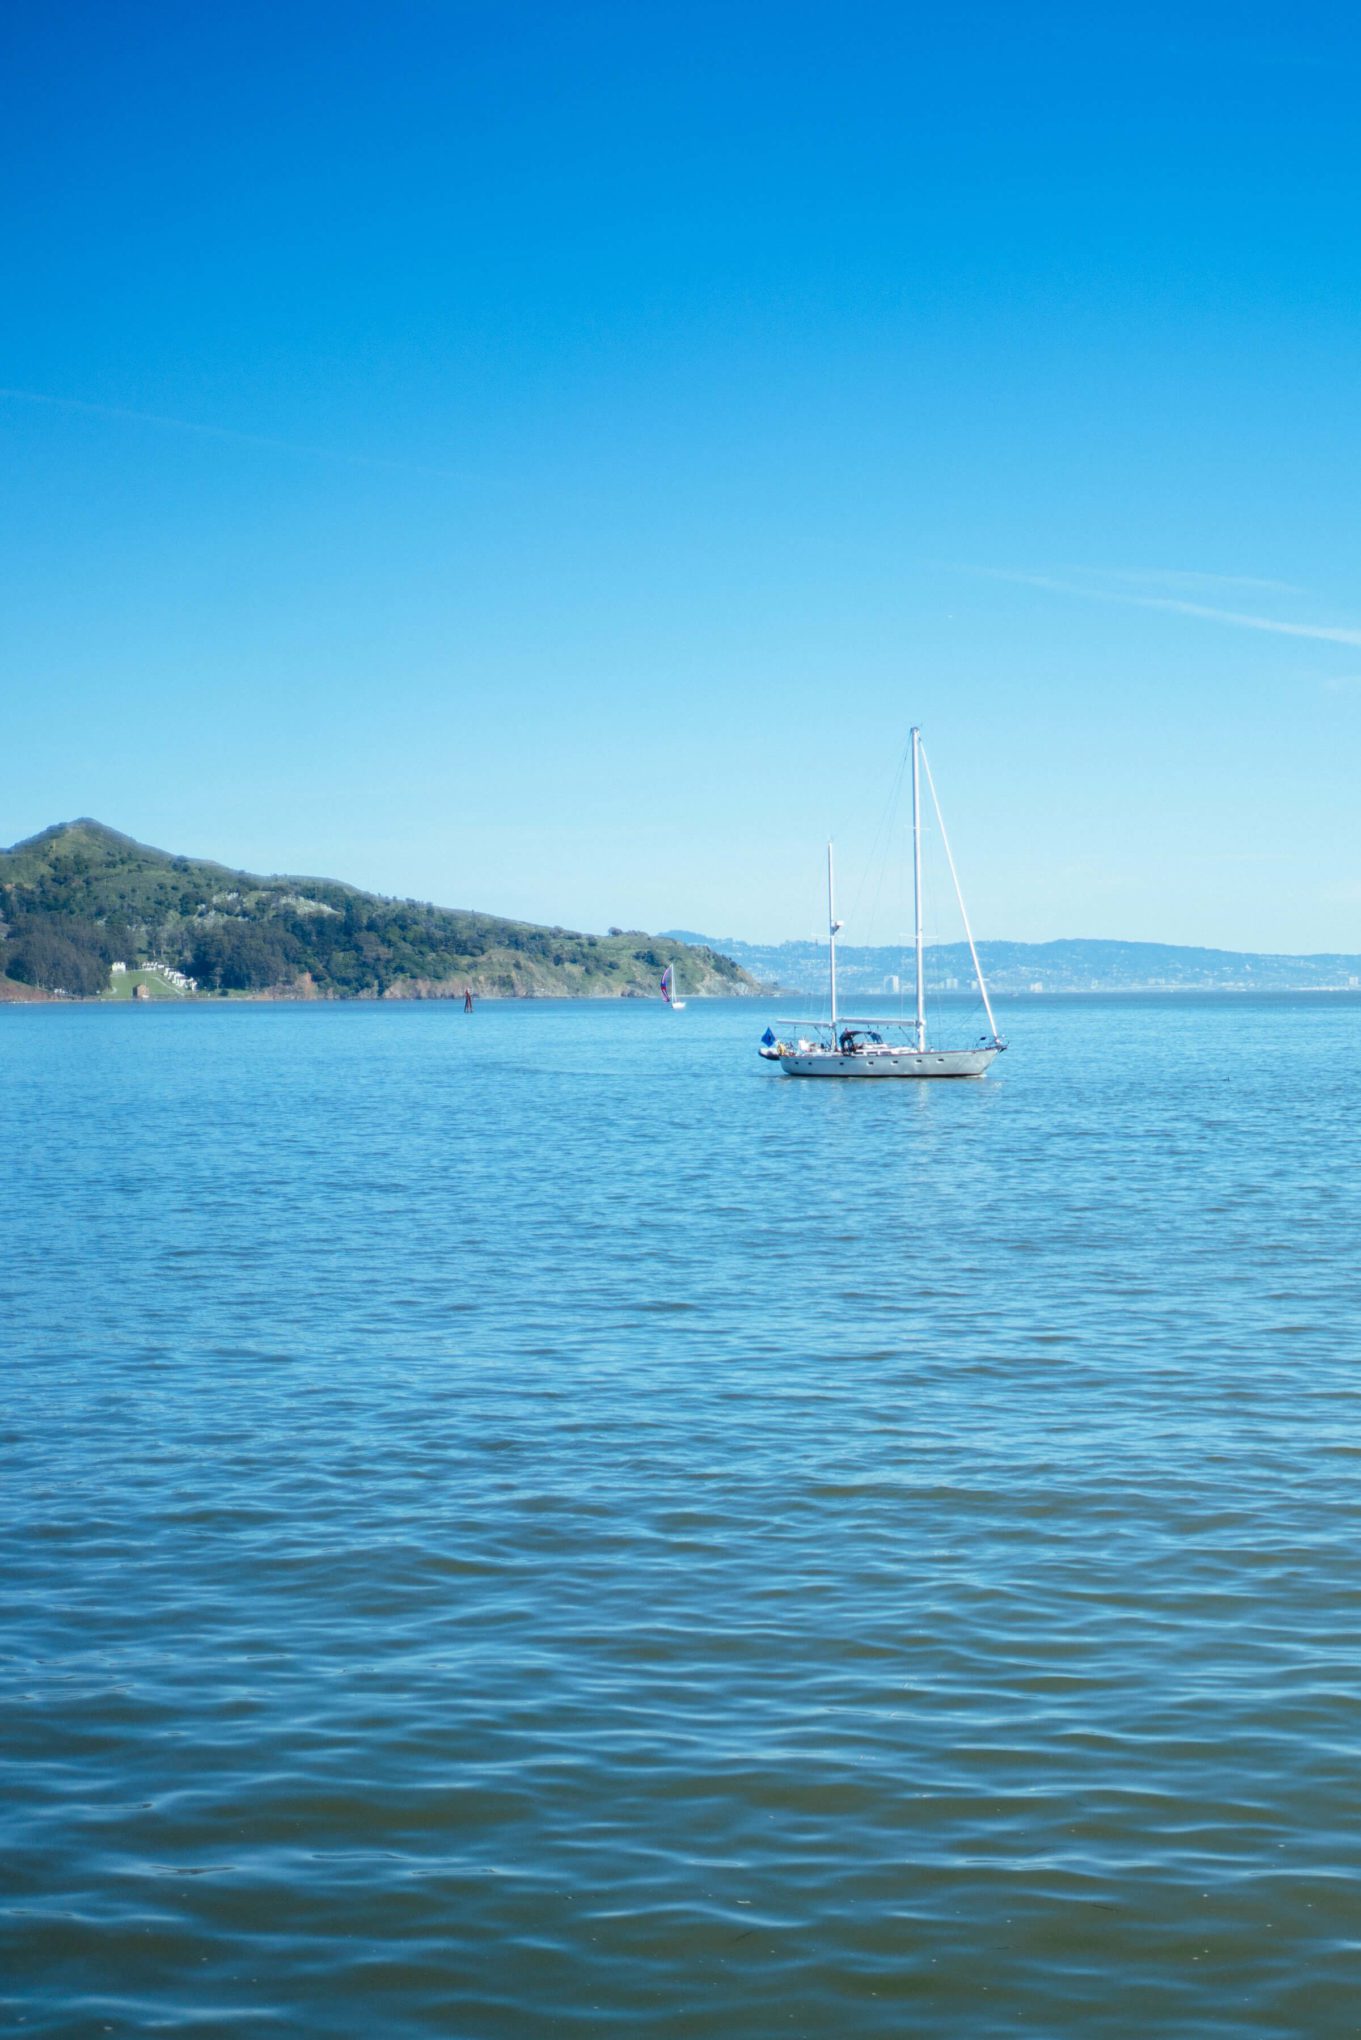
(959, 895)
(832, 926)
(917, 883)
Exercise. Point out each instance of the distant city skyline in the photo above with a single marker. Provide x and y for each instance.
(543, 461)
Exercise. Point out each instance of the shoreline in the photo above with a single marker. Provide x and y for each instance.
(27, 997)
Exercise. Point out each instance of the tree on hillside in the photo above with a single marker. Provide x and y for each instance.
(41, 954)
(238, 956)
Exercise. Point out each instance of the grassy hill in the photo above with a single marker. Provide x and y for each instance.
(79, 897)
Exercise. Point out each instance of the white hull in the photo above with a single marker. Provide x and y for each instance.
(888, 1062)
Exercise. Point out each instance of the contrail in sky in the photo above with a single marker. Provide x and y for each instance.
(1334, 634)
(228, 432)
(1172, 577)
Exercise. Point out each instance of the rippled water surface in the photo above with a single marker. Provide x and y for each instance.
(535, 1524)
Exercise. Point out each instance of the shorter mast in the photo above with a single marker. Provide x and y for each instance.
(917, 884)
(832, 926)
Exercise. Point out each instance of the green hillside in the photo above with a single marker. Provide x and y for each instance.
(80, 897)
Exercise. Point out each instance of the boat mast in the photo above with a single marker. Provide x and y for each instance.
(917, 883)
(832, 926)
(959, 895)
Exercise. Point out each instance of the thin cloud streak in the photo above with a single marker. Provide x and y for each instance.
(228, 432)
(1333, 634)
(1185, 578)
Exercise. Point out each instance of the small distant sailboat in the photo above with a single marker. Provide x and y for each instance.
(889, 1048)
(669, 989)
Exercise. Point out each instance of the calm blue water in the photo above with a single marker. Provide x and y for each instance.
(536, 1524)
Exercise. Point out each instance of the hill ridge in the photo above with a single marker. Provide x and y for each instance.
(78, 897)
(1068, 963)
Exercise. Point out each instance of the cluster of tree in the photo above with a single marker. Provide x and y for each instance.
(366, 945)
(241, 956)
(60, 952)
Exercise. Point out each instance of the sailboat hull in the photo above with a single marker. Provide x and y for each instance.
(889, 1062)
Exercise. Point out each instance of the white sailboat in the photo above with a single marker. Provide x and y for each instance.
(669, 989)
(843, 1047)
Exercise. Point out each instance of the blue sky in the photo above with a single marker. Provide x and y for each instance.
(543, 457)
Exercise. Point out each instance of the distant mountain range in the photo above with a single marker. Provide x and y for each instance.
(1021, 967)
(79, 900)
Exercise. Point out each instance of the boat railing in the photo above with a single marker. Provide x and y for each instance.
(803, 1035)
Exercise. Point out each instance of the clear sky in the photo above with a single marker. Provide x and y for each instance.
(542, 457)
